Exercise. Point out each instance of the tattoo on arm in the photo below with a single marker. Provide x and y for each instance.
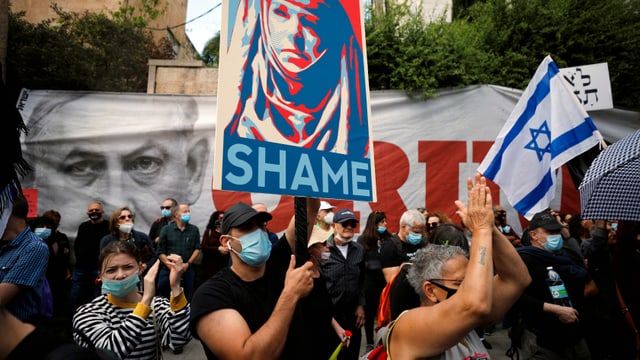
(483, 254)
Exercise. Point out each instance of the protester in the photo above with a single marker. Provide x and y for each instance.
(321, 329)
(459, 295)
(273, 237)
(606, 332)
(435, 219)
(551, 330)
(132, 324)
(403, 296)
(501, 222)
(249, 310)
(324, 216)
(181, 238)
(375, 233)
(25, 341)
(404, 244)
(23, 264)
(344, 275)
(214, 255)
(626, 268)
(86, 250)
(121, 227)
(58, 270)
(167, 212)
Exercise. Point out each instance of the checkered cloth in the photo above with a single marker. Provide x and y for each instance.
(610, 189)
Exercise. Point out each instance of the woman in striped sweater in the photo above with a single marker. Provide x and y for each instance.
(130, 323)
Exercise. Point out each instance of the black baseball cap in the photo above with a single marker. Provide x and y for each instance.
(239, 214)
(546, 221)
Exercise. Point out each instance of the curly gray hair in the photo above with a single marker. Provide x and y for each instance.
(428, 263)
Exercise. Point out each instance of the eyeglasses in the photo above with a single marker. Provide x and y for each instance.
(351, 223)
(93, 211)
(129, 216)
(165, 207)
(433, 225)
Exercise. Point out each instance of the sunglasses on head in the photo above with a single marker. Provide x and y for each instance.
(165, 207)
(351, 223)
(129, 216)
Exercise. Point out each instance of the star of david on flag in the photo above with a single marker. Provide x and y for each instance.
(547, 128)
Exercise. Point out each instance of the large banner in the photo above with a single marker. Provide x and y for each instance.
(137, 149)
(293, 107)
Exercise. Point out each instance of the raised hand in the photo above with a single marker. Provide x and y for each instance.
(150, 283)
(176, 269)
(478, 214)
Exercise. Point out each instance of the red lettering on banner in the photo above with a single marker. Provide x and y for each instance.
(392, 171)
(442, 159)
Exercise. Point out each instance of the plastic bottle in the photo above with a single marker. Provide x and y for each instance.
(556, 287)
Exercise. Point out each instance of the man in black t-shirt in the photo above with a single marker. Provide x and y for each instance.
(404, 244)
(251, 307)
(87, 250)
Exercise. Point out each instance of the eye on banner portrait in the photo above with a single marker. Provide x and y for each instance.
(293, 100)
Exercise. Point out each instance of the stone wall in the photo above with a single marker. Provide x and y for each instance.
(181, 77)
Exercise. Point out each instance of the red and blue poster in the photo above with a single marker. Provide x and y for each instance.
(293, 100)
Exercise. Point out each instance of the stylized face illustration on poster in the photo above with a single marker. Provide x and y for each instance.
(293, 100)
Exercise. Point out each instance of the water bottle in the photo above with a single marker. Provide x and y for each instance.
(557, 289)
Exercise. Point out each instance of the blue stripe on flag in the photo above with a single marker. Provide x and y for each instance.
(542, 90)
(526, 203)
(572, 137)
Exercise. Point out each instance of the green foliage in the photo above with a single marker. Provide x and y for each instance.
(81, 51)
(502, 42)
(211, 51)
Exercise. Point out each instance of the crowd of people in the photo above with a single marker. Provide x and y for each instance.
(244, 291)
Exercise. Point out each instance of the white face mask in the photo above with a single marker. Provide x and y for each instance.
(126, 227)
(345, 240)
(328, 219)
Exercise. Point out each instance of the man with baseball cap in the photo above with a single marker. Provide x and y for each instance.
(344, 275)
(551, 331)
(324, 219)
(248, 309)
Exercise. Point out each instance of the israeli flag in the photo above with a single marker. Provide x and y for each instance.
(547, 128)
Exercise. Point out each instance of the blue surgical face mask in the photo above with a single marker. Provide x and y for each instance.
(414, 238)
(120, 288)
(614, 226)
(554, 243)
(165, 213)
(256, 248)
(506, 229)
(382, 229)
(43, 233)
(185, 218)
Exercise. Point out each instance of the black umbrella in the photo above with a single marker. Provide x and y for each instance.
(610, 189)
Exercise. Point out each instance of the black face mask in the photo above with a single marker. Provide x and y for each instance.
(450, 291)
